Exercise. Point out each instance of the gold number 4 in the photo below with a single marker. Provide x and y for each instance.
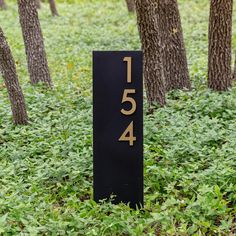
(128, 135)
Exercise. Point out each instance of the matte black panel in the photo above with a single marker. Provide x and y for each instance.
(118, 166)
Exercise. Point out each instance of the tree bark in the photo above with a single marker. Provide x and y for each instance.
(234, 72)
(219, 55)
(3, 5)
(130, 5)
(8, 70)
(38, 4)
(53, 7)
(34, 44)
(151, 45)
(174, 54)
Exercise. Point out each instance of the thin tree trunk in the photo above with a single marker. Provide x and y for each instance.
(130, 5)
(34, 44)
(151, 45)
(234, 72)
(38, 4)
(220, 34)
(8, 69)
(174, 54)
(53, 7)
(3, 5)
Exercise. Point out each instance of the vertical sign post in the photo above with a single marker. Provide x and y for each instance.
(118, 126)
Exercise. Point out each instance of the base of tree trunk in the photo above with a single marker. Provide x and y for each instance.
(234, 72)
(219, 52)
(130, 5)
(3, 5)
(38, 4)
(53, 8)
(34, 43)
(152, 48)
(175, 64)
(8, 69)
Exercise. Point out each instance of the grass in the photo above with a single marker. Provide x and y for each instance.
(46, 167)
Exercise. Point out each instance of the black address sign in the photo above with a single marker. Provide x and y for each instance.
(118, 126)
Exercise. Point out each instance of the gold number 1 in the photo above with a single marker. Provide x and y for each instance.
(129, 68)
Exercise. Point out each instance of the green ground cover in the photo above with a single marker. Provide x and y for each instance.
(46, 167)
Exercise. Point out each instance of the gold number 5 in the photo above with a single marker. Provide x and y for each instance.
(129, 99)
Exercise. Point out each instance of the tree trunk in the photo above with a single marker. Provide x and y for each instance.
(174, 55)
(38, 4)
(53, 8)
(234, 72)
(34, 44)
(151, 45)
(130, 5)
(3, 5)
(8, 69)
(219, 55)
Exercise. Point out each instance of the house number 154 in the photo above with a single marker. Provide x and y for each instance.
(128, 134)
